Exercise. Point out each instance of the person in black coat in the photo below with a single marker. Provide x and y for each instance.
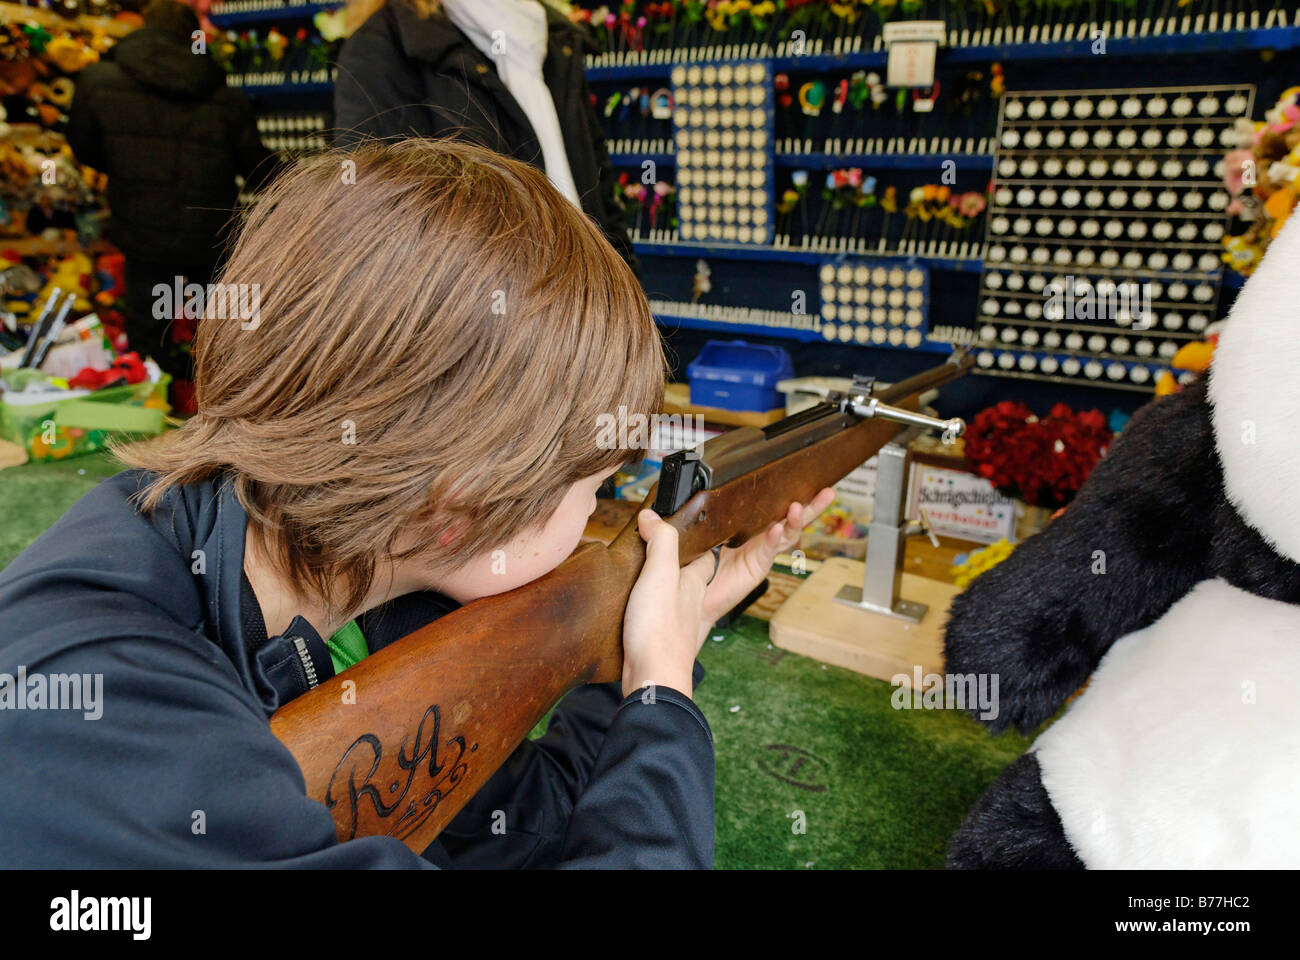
(158, 119)
(407, 73)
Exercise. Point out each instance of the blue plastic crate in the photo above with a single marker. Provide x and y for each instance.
(735, 375)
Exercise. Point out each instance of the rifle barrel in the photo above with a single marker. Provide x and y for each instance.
(950, 370)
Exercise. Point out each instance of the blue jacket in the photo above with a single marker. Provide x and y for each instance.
(173, 764)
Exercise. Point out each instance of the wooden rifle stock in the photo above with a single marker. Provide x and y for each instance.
(424, 722)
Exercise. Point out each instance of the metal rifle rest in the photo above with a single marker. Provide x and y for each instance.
(888, 532)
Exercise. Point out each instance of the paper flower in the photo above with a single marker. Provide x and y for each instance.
(1043, 460)
(971, 204)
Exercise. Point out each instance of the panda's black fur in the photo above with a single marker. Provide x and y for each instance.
(1043, 619)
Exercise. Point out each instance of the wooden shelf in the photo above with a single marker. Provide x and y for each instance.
(32, 246)
(31, 134)
(677, 400)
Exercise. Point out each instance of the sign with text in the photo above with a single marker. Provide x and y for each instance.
(912, 48)
(911, 65)
(960, 504)
(913, 31)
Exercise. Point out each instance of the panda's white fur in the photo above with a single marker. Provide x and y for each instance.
(1185, 749)
(1255, 393)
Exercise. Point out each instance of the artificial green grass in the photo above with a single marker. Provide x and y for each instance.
(875, 787)
(34, 495)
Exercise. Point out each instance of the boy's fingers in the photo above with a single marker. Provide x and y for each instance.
(818, 505)
(661, 542)
(698, 572)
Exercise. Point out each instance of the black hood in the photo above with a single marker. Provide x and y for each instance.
(163, 62)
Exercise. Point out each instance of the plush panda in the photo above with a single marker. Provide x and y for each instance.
(1171, 586)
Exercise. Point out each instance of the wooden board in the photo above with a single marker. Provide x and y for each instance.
(610, 517)
(677, 400)
(812, 623)
(779, 589)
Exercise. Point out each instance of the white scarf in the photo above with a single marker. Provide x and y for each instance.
(517, 30)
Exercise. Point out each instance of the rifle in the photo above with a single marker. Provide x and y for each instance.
(398, 743)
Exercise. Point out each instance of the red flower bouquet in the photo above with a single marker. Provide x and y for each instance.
(1042, 460)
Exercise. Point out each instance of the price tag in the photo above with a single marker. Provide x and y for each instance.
(911, 64)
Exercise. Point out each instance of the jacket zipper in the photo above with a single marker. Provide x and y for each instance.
(308, 667)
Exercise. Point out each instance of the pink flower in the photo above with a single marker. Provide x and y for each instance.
(1234, 166)
(1288, 116)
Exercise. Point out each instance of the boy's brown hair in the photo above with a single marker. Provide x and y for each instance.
(438, 332)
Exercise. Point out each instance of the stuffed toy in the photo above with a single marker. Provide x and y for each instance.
(72, 274)
(1171, 587)
(128, 368)
(1260, 175)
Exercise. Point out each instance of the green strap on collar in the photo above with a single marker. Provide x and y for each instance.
(347, 647)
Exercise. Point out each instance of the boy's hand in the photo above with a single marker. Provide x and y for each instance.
(672, 609)
(742, 569)
(661, 627)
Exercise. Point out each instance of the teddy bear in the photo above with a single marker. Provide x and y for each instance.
(1170, 587)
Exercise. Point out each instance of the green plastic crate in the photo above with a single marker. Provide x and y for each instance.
(72, 427)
